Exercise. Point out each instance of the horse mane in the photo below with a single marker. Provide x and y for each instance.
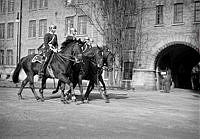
(66, 44)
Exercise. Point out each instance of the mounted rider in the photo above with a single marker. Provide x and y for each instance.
(72, 35)
(49, 46)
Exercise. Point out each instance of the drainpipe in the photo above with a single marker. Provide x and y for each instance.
(20, 31)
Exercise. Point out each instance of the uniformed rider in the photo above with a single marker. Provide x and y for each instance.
(49, 46)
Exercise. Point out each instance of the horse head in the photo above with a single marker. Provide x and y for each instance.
(72, 48)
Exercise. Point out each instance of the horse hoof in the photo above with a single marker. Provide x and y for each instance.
(107, 101)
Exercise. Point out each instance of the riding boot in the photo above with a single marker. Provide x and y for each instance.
(41, 71)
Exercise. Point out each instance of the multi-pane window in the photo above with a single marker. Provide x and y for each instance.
(82, 24)
(2, 30)
(31, 51)
(32, 28)
(178, 13)
(9, 57)
(69, 23)
(32, 4)
(43, 3)
(2, 6)
(10, 6)
(1, 57)
(159, 14)
(42, 27)
(197, 11)
(10, 30)
(128, 70)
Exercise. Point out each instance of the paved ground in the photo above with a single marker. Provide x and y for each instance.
(131, 114)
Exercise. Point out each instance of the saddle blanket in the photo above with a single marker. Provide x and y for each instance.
(38, 58)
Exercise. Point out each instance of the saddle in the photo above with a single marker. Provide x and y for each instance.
(38, 58)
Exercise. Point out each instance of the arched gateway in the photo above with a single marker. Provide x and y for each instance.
(180, 57)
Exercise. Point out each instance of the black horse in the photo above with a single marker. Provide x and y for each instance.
(92, 72)
(61, 64)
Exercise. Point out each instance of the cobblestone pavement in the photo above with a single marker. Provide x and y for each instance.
(130, 114)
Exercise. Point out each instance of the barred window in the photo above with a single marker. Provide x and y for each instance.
(1, 57)
(2, 30)
(32, 4)
(9, 57)
(2, 6)
(32, 28)
(178, 13)
(159, 14)
(82, 24)
(69, 23)
(197, 11)
(10, 6)
(10, 30)
(31, 51)
(42, 27)
(43, 3)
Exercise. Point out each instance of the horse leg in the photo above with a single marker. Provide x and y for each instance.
(25, 81)
(81, 87)
(31, 79)
(57, 88)
(64, 80)
(42, 88)
(62, 88)
(105, 96)
(89, 89)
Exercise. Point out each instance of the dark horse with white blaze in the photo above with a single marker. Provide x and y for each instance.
(90, 71)
(61, 64)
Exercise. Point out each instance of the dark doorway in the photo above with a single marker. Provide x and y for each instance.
(180, 59)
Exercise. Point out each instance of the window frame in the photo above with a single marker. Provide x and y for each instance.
(82, 25)
(2, 31)
(70, 25)
(176, 13)
(159, 14)
(32, 29)
(42, 27)
(196, 10)
(2, 57)
(3, 7)
(42, 4)
(9, 57)
(10, 30)
(32, 5)
(11, 6)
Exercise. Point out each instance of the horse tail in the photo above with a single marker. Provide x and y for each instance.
(15, 76)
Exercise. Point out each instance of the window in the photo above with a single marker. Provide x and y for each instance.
(9, 57)
(2, 30)
(42, 27)
(128, 70)
(159, 14)
(69, 23)
(130, 38)
(32, 28)
(178, 13)
(2, 6)
(10, 6)
(197, 11)
(10, 30)
(1, 57)
(32, 4)
(80, 1)
(31, 51)
(43, 3)
(82, 24)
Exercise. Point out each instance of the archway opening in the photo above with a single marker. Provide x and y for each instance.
(180, 58)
